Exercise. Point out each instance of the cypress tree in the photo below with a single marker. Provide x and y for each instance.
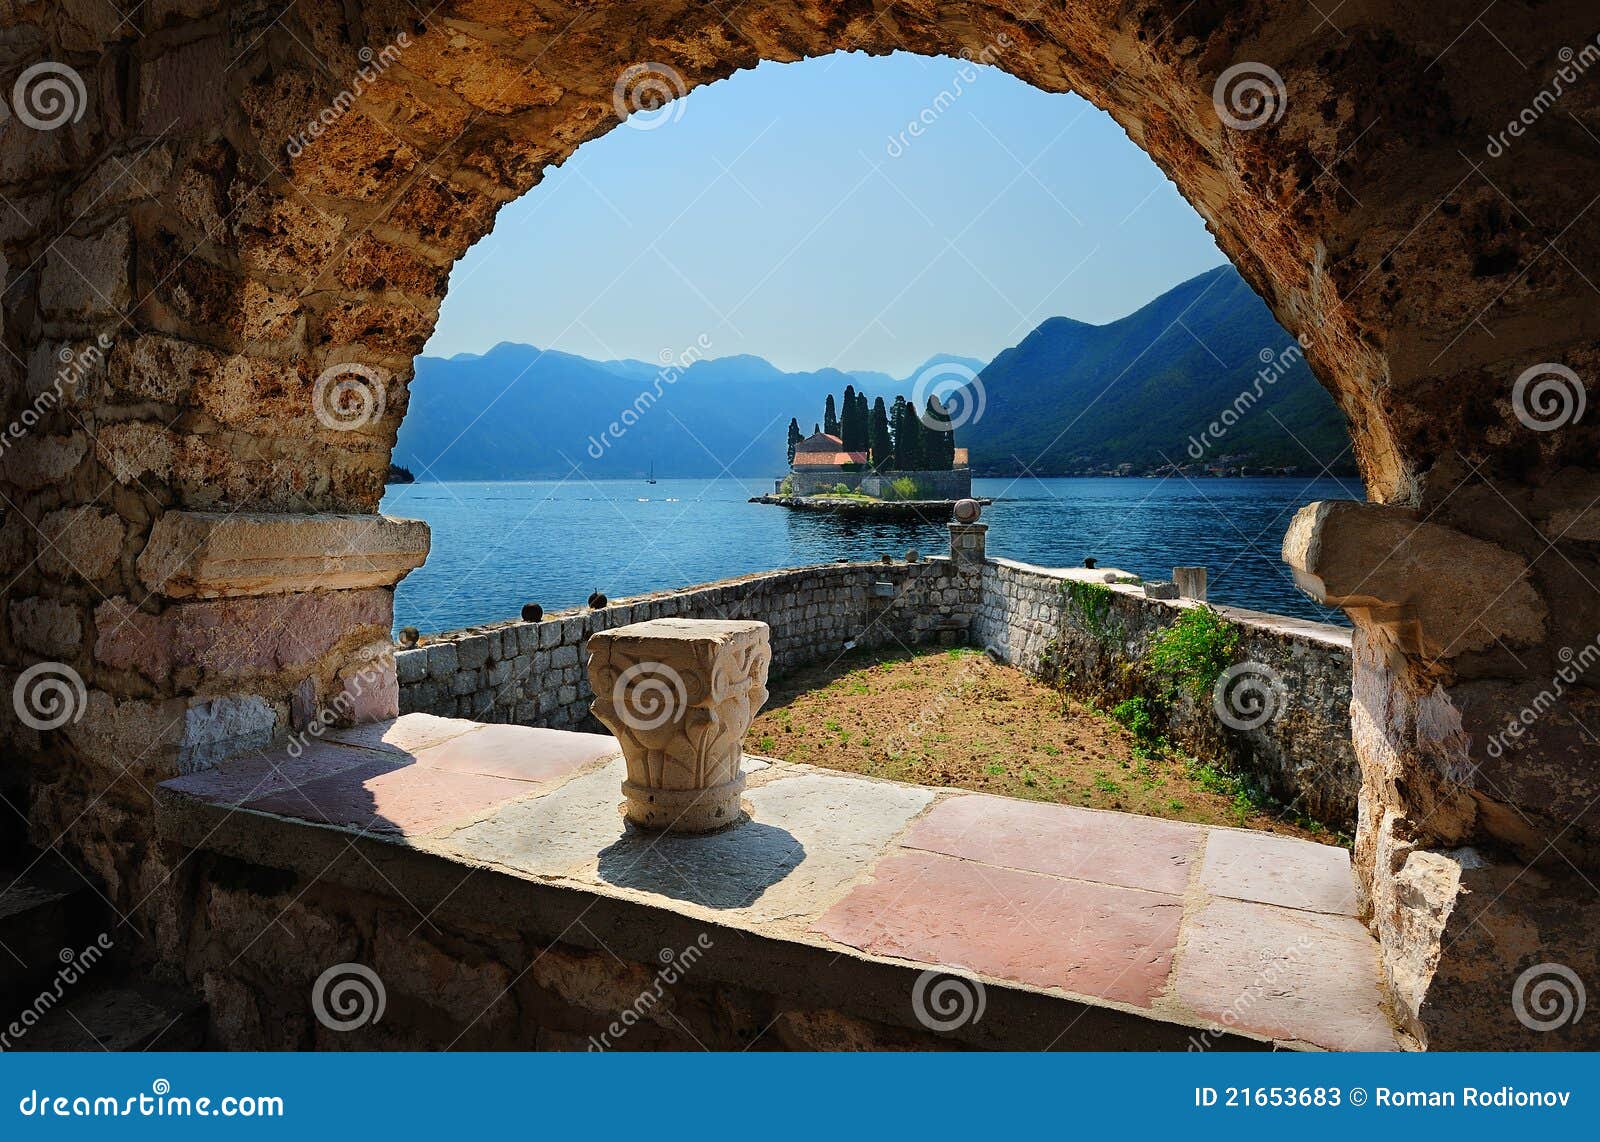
(830, 418)
(864, 419)
(907, 436)
(938, 436)
(852, 428)
(879, 442)
(794, 438)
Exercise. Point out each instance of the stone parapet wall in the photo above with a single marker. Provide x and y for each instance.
(1302, 754)
(533, 673)
(947, 484)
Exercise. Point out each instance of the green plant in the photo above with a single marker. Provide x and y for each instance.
(1134, 716)
(905, 488)
(1194, 651)
(843, 489)
(787, 487)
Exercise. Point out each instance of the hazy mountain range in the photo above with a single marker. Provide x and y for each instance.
(519, 412)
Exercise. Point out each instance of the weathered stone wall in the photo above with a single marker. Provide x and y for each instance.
(949, 484)
(533, 673)
(1301, 753)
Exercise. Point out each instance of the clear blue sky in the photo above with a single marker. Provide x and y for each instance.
(766, 212)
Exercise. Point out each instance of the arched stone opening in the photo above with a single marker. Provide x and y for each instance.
(256, 201)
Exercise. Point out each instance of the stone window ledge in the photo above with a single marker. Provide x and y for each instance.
(1087, 928)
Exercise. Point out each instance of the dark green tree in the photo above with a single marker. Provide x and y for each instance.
(794, 438)
(938, 436)
(830, 418)
(815, 428)
(852, 424)
(864, 416)
(880, 445)
(907, 436)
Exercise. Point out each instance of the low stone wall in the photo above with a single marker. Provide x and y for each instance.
(946, 484)
(534, 673)
(1302, 752)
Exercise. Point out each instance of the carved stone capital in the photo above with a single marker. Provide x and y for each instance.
(680, 694)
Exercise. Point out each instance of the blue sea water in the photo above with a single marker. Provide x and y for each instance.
(497, 546)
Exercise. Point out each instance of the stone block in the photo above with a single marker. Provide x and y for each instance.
(1160, 589)
(472, 652)
(1191, 582)
(209, 555)
(442, 663)
(411, 665)
(1430, 589)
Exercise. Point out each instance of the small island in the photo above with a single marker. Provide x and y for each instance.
(882, 460)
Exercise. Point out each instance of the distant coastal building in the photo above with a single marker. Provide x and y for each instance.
(824, 452)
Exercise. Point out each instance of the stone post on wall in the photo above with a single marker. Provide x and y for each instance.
(967, 536)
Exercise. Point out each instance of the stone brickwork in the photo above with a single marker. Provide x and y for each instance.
(1302, 753)
(533, 673)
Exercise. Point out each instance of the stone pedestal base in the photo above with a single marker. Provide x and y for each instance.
(680, 694)
(683, 810)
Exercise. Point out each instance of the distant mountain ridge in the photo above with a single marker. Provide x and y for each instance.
(1202, 375)
(519, 412)
(1070, 398)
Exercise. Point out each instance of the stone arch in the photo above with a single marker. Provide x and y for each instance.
(256, 200)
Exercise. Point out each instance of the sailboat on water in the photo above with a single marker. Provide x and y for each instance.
(651, 477)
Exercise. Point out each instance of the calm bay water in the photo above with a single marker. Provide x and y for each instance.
(497, 546)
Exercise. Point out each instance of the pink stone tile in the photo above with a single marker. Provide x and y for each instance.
(1279, 870)
(1091, 939)
(391, 795)
(254, 775)
(1062, 840)
(406, 734)
(1286, 975)
(522, 753)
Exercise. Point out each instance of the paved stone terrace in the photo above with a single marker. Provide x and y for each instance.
(1078, 912)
